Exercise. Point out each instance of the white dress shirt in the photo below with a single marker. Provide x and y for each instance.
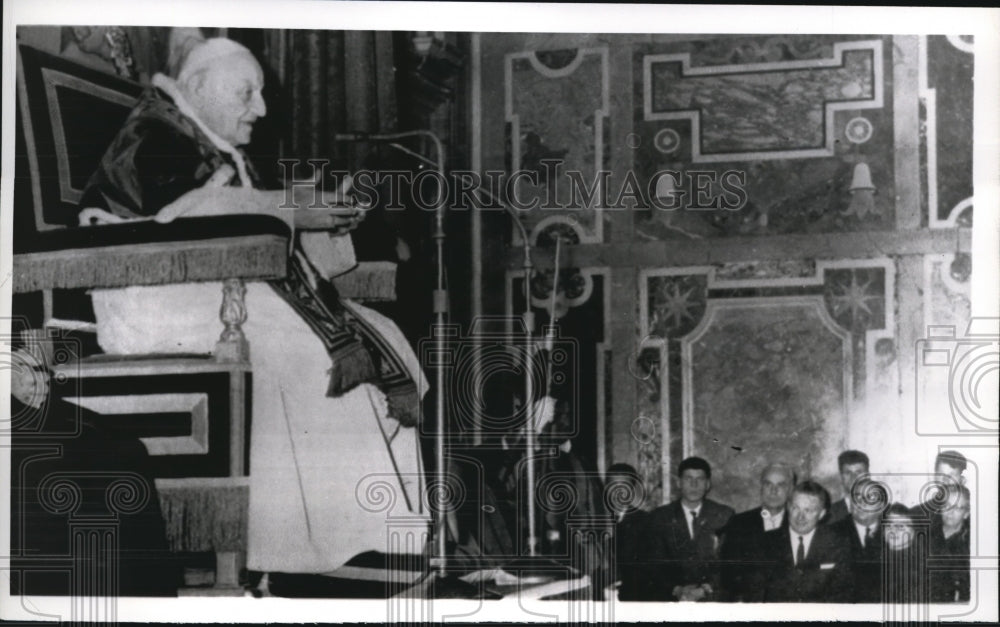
(863, 531)
(771, 521)
(806, 541)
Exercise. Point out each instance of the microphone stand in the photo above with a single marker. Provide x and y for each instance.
(440, 309)
(442, 585)
(533, 569)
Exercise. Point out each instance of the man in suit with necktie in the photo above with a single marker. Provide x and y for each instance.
(806, 562)
(852, 465)
(744, 532)
(683, 540)
(863, 531)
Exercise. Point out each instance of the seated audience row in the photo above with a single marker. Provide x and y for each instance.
(797, 546)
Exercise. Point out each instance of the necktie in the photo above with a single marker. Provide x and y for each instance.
(800, 553)
(868, 535)
(694, 522)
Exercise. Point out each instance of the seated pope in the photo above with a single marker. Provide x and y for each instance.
(336, 387)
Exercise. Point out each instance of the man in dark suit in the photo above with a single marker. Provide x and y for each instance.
(852, 465)
(806, 562)
(863, 531)
(683, 540)
(949, 543)
(744, 532)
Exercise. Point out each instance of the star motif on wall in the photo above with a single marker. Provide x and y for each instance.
(853, 298)
(676, 305)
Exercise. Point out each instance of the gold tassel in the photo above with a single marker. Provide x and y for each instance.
(351, 367)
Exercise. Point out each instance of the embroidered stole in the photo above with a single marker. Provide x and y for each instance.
(359, 353)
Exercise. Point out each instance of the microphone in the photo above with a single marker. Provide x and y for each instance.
(354, 137)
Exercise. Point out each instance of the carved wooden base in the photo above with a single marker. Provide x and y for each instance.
(232, 345)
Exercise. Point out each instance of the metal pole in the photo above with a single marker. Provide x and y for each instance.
(440, 307)
(529, 436)
(440, 319)
(528, 318)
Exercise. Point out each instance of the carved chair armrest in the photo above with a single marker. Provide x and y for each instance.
(147, 253)
(219, 248)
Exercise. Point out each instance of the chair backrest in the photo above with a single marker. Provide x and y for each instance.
(68, 115)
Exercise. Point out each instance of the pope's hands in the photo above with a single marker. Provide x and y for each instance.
(338, 220)
(318, 210)
(306, 208)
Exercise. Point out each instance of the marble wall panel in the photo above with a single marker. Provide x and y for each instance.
(766, 380)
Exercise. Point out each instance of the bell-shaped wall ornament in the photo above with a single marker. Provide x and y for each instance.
(862, 178)
(665, 187)
(862, 192)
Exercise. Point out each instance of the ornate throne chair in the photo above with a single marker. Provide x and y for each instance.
(191, 412)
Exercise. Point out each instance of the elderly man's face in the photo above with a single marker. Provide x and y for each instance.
(228, 97)
(774, 488)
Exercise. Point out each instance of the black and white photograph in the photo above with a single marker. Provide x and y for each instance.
(545, 313)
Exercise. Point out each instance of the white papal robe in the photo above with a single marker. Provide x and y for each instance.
(318, 466)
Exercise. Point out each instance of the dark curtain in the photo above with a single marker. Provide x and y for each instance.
(319, 83)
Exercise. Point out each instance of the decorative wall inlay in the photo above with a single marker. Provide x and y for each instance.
(945, 72)
(856, 298)
(574, 289)
(762, 375)
(676, 304)
(858, 130)
(747, 340)
(768, 110)
(667, 141)
(556, 105)
(645, 429)
(788, 269)
(766, 135)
